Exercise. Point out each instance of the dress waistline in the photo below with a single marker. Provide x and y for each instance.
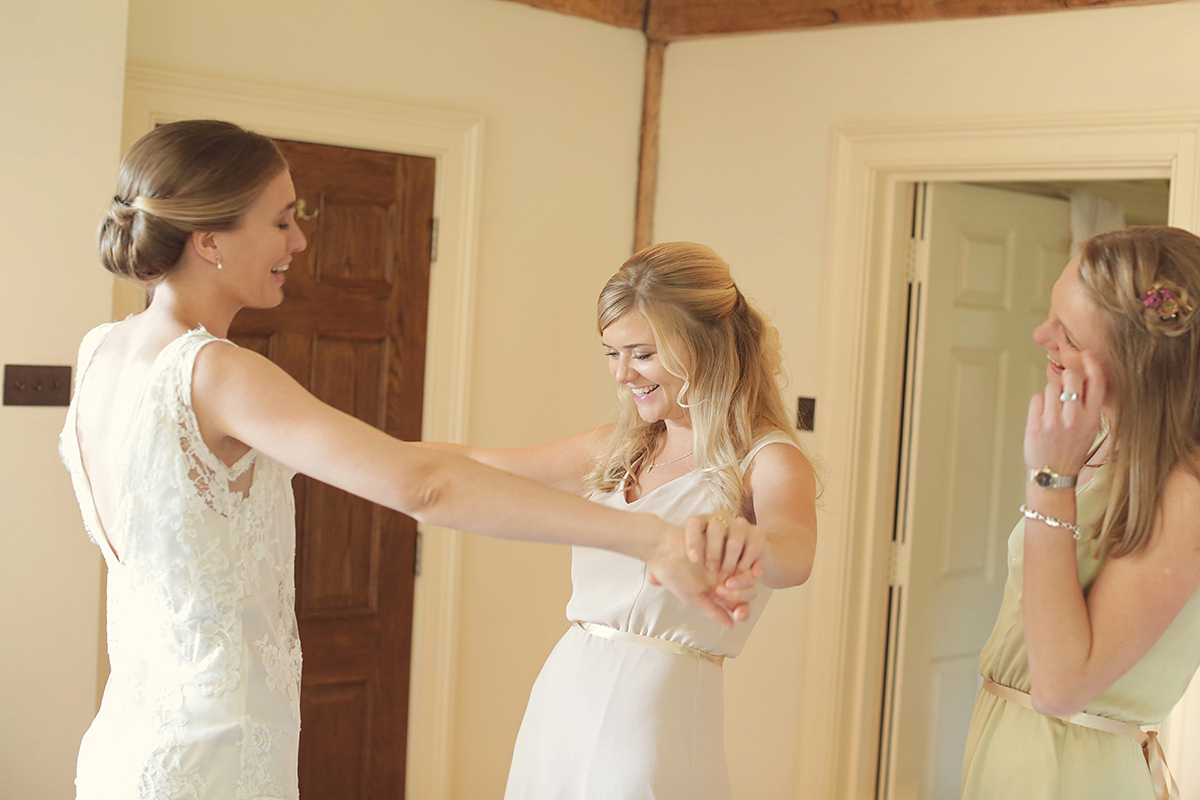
(1164, 783)
(605, 632)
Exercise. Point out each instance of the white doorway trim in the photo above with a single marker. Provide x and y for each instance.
(861, 381)
(454, 139)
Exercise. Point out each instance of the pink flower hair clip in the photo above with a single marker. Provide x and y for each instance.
(1163, 301)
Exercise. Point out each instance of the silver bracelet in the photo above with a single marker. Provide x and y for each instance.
(1053, 522)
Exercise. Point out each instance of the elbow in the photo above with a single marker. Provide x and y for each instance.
(796, 576)
(794, 573)
(424, 499)
(1054, 699)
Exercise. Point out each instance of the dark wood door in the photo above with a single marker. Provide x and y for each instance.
(352, 330)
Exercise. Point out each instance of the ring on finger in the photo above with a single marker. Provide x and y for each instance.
(721, 519)
(1068, 396)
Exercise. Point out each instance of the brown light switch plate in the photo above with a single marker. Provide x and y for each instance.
(806, 413)
(29, 385)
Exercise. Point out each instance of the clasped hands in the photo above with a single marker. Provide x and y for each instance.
(713, 563)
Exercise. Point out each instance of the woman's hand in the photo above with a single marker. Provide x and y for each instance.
(730, 549)
(725, 543)
(1064, 419)
(688, 580)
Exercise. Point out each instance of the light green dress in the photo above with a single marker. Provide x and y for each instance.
(1014, 752)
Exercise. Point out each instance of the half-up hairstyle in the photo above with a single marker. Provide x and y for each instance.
(182, 177)
(722, 348)
(1146, 282)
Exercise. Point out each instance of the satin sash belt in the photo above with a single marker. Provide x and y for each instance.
(596, 629)
(1164, 783)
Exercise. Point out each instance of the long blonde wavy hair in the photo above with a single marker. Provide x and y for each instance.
(1154, 369)
(720, 346)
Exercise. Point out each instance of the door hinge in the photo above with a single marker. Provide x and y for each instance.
(896, 564)
(433, 241)
(910, 261)
(893, 547)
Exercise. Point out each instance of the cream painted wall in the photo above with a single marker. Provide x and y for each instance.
(560, 99)
(745, 154)
(61, 79)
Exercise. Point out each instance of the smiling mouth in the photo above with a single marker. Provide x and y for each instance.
(284, 268)
(1052, 361)
(642, 391)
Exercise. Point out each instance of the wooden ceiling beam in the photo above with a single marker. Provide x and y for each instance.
(622, 13)
(669, 20)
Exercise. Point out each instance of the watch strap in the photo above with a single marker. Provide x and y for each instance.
(1046, 478)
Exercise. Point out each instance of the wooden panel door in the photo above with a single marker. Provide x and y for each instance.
(352, 330)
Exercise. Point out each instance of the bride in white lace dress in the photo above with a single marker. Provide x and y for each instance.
(181, 447)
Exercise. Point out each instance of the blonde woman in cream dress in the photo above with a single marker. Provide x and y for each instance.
(629, 704)
(1099, 631)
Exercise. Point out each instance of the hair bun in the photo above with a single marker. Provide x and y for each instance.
(121, 211)
(1166, 308)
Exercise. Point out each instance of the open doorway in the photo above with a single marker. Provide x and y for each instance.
(873, 167)
(980, 264)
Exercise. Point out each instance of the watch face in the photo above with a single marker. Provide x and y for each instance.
(1043, 478)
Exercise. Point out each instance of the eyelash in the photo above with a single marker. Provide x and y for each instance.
(638, 356)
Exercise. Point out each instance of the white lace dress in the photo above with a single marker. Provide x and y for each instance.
(203, 701)
(618, 720)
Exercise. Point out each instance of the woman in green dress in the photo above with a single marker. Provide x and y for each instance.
(1099, 630)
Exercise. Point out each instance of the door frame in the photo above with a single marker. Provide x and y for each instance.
(863, 319)
(455, 140)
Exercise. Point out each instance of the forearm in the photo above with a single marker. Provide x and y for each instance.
(464, 495)
(473, 453)
(1058, 631)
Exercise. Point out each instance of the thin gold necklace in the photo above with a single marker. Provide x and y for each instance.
(672, 461)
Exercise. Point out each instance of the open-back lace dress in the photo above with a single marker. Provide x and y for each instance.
(203, 700)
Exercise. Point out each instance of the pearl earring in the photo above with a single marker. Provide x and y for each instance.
(219, 264)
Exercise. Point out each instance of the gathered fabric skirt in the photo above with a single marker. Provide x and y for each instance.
(615, 720)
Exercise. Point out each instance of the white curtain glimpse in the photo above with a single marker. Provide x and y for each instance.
(1091, 215)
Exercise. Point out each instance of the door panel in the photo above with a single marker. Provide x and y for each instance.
(987, 264)
(352, 331)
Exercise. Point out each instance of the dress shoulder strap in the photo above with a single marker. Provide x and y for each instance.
(176, 368)
(774, 437)
(87, 349)
(181, 357)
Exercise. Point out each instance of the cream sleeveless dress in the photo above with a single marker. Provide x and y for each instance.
(203, 701)
(1014, 753)
(617, 720)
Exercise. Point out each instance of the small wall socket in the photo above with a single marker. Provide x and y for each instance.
(806, 413)
(32, 385)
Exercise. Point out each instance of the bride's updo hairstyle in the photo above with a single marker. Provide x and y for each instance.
(182, 177)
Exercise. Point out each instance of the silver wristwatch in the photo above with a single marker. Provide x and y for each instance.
(1046, 478)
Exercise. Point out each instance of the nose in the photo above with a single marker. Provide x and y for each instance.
(299, 241)
(621, 370)
(1041, 334)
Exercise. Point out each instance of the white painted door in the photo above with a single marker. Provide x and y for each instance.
(983, 267)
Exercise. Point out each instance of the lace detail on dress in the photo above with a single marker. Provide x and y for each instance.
(158, 783)
(283, 668)
(258, 778)
(202, 628)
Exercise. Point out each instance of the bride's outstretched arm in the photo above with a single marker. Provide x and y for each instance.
(239, 396)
